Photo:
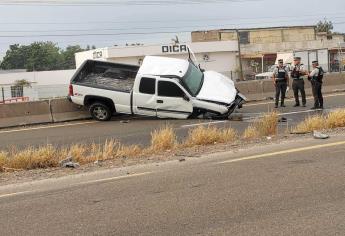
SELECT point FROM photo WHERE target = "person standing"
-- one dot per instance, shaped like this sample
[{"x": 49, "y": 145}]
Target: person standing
[
  {"x": 281, "y": 82},
  {"x": 315, "y": 77},
  {"x": 297, "y": 75}
]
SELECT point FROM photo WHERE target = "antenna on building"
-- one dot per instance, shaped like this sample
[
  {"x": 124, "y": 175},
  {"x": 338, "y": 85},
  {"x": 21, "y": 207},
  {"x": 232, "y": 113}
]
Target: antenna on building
[{"x": 176, "y": 40}]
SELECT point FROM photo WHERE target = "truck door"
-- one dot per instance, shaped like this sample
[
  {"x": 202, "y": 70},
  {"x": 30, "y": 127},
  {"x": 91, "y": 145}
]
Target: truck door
[
  {"x": 172, "y": 101},
  {"x": 145, "y": 100}
]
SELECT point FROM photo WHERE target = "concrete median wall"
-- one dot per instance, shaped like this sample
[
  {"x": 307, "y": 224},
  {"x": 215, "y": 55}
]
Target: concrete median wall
[
  {"x": 63, "y": 110},
  {"x": 25, "y": 113},
  {"x": 265, "y": 86}
]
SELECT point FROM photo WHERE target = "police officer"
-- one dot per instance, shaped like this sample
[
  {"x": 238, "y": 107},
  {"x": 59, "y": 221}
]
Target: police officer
[
  {"x": 281, "y": 82},
  {"x": 297, "y": 74},
  {"x": 315, "y": 77}
]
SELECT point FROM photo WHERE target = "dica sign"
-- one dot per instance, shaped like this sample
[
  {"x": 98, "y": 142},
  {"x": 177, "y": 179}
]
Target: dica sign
[
  {"x": 97, "y": 54},
  {"x": 174, "y": 48}
]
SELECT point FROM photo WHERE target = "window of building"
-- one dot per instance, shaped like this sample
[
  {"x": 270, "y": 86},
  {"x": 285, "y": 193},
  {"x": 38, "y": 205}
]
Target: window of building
[
  {"x": 169, "y": 89},
  {"x": 244, "y": 37},
  {"x": 147, "y": 85},
  {"x": 17, "y": 91}
]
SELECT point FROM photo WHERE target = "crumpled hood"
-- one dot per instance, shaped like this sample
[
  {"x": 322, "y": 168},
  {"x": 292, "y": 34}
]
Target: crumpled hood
[{"x": 217, "y": 88}]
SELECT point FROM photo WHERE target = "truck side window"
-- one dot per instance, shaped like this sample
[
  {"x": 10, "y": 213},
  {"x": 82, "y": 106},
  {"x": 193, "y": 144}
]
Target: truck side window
[
  {"x": 147, "y": 85},
  {"x": 169, "y": 89}
]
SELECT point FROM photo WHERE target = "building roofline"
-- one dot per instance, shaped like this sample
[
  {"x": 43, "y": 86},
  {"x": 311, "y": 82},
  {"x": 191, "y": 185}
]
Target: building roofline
[{"x": 260, "y": 28}]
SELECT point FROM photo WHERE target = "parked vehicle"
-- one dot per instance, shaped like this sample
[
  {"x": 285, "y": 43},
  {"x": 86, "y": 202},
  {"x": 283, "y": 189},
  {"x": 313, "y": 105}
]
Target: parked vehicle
[{"x": 162, "y": 87}]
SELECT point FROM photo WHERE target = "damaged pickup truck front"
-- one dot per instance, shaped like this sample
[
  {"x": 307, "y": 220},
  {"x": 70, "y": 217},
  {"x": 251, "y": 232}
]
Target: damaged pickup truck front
[{"x": 161, "y": 87}]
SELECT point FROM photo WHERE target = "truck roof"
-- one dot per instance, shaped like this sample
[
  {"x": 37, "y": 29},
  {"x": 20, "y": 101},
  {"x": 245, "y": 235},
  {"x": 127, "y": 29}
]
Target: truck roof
[{"x": 153, "y": 65}]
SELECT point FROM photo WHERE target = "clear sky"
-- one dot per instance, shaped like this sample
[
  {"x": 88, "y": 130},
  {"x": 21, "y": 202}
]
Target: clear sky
[{"x": 106, "y": 23}]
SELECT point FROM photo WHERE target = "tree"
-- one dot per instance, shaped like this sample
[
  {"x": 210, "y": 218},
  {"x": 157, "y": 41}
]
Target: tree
[
  {"x": 324, "y": 26},
  {"x": 43, "y": 56},
  {"x": 69, "y": 58},
  {"x": 15, "y": 58},
  {"x": 40, "y": 56}
]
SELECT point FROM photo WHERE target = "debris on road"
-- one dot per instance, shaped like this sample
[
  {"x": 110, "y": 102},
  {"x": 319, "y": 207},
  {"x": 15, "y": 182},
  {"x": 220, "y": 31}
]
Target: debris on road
[
  {"x": 124, "y": 121},
  {"x": 182, "y": 160},
  {"x": 319, "y": 135},
  {"x": 269, "y": 98}
]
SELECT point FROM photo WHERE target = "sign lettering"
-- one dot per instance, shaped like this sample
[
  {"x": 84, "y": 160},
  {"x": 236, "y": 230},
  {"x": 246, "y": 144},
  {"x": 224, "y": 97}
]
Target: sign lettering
[{"x": 174, "y": 48}]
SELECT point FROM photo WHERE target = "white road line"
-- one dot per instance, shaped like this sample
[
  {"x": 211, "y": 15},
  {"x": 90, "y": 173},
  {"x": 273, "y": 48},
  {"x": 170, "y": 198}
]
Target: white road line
[
  {"x": 206, "y": 123},
  {"x": 14, "y": 194},
  {"x": 47, "y": 127},
  {"x": 291, "y": 99},
  {"x": 275, "y": 154},
  {"x": 82, "y": 183},
  {"x": 113, "y": 178}
]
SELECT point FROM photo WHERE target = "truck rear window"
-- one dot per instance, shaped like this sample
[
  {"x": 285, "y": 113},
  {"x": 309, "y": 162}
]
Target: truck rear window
[{"x": 147, "y": 85}]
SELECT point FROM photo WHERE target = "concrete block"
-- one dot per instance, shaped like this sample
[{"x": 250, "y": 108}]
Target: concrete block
[
  {"x": 25, "y": 113},
  {"x": 63, "y": 110}
]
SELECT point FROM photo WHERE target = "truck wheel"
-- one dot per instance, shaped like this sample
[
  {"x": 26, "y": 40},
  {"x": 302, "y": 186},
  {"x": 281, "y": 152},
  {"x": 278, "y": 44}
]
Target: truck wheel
[{"x": 100, "y": 112}]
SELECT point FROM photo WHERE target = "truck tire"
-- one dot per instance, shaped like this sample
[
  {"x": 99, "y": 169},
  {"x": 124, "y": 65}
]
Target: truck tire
[{"x": 100, "y": 111}]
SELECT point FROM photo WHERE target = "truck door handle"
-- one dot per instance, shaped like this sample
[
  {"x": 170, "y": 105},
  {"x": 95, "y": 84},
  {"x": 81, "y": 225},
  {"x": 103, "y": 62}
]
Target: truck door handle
[{"x": 160, "y": 101}]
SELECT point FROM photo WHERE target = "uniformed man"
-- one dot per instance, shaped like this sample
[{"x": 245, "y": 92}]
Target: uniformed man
[
  {"x": 281, "y": 82},
  {"x": 315, "y": 77},
  {"x": 297, "y": 75}
]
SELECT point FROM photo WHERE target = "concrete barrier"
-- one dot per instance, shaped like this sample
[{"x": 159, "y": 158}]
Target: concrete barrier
[
  {"x": 25, "y": 113},
  {"x": 63, "y": 110}
]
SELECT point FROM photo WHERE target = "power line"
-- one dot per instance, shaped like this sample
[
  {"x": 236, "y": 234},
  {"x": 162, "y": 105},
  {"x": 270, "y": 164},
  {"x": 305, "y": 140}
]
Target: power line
[{"x": 334, "y": 15}]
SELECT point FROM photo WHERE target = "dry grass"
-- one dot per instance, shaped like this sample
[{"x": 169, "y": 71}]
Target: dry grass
[
  {"x": 250, "y": 132},
  {"x": 163, "y": 139},
  {"x": 335, "y": 119},
  {"x": 265, "y": 126},
  {"x": 310, "y": 124},
  {"x": 203, "y": 135}
]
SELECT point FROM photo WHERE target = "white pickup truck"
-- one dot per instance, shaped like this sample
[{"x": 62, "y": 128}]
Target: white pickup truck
[{"x": 161, "y": 87}]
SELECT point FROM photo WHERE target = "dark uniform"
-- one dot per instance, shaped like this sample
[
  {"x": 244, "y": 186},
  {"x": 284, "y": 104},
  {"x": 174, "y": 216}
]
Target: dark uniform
[
  {"x": 315, "y": 78},
  {"x": 297, "y": 74},
  {"x": 281, "y": 82}
]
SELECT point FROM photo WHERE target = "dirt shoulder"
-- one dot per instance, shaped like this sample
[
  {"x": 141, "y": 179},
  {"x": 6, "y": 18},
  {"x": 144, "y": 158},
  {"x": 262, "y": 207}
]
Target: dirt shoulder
[{"x": 174, "y": 155}]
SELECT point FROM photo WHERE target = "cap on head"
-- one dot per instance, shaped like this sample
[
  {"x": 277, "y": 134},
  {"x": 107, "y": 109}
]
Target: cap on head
[
  {"x": 297, "y": 58},
  {"x": 315, "y": 62},
  {"x": 280, "y": 61}
]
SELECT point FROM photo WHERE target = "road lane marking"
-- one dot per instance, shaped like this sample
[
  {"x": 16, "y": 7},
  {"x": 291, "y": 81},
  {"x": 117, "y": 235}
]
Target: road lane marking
[
  {"x": 81, "y": 183},
  {"x": 205, "y": 123},
  {"x": 14, "y": 194},
  {"x": 113, "y": 178},
  {"x": 272, "y": 154},
  {"x": 290, "y": 99},
  {"x": 47, "y": 127},
  {"x": 280, "y": 114}
]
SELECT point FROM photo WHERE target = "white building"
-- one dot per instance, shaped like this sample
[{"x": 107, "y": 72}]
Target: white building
[
  {"x": 217, "y": 56},
  {"x": 44, "y": 84}
]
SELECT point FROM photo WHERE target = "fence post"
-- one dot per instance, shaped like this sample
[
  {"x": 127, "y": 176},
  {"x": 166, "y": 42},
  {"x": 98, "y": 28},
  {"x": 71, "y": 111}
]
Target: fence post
[{"x": 3, "y": 94}]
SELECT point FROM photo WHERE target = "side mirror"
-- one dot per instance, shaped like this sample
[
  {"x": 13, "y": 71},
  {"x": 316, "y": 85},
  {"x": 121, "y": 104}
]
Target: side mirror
[{"x": 186, "y": 98}]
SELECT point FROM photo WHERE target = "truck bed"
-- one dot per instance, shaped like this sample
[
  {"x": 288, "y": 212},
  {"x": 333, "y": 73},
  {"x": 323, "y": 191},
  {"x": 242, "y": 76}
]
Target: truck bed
[{"x": 106, "y": 75}]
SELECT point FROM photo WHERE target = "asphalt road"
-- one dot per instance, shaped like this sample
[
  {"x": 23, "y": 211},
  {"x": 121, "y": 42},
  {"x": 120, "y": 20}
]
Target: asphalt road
[
  {"x": 137, "y": 130},
  {"x": 292, "y": 188}
]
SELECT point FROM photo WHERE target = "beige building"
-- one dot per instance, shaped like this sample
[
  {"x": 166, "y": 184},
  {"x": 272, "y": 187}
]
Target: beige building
[{"x": 259, "y": 46}]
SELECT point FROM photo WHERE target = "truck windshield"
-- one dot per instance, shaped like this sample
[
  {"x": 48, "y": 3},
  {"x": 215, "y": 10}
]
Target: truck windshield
[{"x": 193, "y": 80}]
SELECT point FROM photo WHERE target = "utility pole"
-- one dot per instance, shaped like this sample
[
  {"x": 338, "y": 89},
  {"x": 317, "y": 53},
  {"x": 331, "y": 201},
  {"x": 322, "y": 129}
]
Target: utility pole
[{"x": 239, "y": 54}]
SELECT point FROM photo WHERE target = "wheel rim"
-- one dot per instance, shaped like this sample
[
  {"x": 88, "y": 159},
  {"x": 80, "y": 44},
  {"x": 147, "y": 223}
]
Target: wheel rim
[{"x": 100, "y": 113}]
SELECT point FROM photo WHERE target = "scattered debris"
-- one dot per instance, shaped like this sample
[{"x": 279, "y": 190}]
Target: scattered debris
[
  {"x": 282, "y": 120},
  {"x": 71, "y": 165},
  {"x": 319, "y": 135},
  {"x": 236, "y": 117},
  {"x": 68, "y": 163},
  {"x": 67, "y": 160},
  {"x": 269, "y": 98},
  {"x": 268, "y": 138},
  {"x": 98, "y": 162},
  {"x": 182, "y": 160},
  {"x": 124, "y": 121}
]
